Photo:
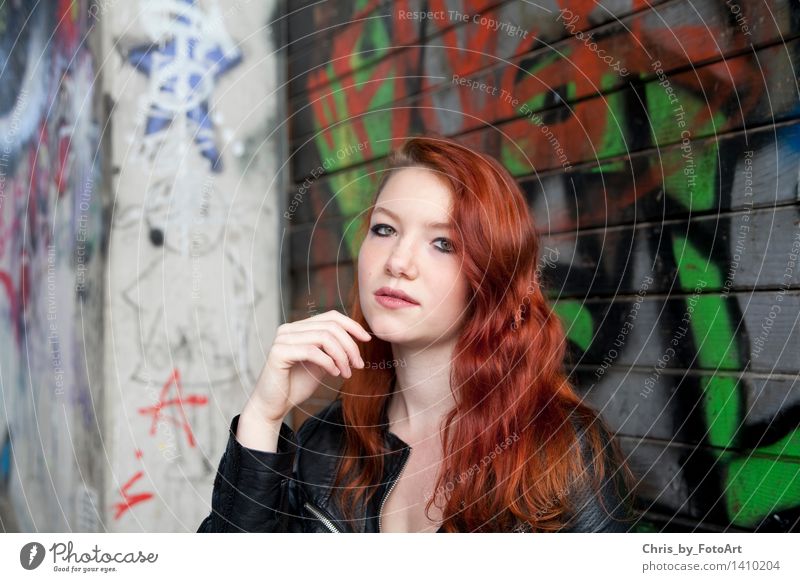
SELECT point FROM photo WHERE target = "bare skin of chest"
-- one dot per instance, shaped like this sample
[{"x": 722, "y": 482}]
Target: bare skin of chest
[{"x": 404, "y": 509}]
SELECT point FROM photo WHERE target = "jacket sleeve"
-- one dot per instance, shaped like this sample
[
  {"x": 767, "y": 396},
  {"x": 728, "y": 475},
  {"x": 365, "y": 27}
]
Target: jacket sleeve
[{"x": 255, "y": 491}]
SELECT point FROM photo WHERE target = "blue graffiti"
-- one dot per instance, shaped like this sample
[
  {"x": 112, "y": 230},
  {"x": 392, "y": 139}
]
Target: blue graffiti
[
  {"x": 5, "y": 459},
  {"x": 183, "y": 71}
]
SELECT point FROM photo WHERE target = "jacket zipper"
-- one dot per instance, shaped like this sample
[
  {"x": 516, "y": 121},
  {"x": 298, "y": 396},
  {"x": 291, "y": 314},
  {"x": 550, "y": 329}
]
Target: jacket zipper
[
  {"x": 328, "y": 523},
  {"x": 385, "y": 497}
]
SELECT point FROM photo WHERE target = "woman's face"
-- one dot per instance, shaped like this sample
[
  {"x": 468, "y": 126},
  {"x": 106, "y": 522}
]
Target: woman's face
[{"x": 406, "y": 250}]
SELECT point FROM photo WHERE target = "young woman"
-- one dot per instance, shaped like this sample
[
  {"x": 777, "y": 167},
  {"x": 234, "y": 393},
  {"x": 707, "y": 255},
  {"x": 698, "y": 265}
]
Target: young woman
[{"x": 455, "y": 414}]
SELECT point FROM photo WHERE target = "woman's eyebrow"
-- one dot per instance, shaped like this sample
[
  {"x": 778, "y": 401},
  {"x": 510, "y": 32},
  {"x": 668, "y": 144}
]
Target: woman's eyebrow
[{"x": 393, "y": 215}]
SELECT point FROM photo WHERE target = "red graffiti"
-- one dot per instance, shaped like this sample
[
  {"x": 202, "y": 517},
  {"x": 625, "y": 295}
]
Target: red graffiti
[
  {"x": 8, "y": 285},
  {"x": 61, "y": 177},
  {"x": 180, "y": 401},
  {"x": 68, "y": 27},
  {"x": 129, "y": 501}
]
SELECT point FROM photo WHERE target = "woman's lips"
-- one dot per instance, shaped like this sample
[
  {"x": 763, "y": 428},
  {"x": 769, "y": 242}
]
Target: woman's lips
[{"x": 393, "y": 302}]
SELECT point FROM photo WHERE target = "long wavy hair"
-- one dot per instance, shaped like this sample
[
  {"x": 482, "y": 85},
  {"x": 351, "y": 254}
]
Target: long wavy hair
[{"x": 507, "y": 377}]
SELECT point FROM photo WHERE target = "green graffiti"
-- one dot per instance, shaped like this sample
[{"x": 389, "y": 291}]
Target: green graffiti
[
  {"x": 613, "y": 137},
  {"x": 690, "y": 172},
  {"x": 616, "y": 166},
  {"x": 334, "y": 137},
  {"x": 714, "y": 339},
  {"x": 758, "y": 486},
  {"x": 754, "y": 486},
  {"x": 345, "y": 149},
  {"x": 577, "y": 321},
  {"x": 372, "y": 44},
  {"x": 538, "y": 100},
  {"x": 645, "y": 527},
  {"x": 353, "y": 190}
]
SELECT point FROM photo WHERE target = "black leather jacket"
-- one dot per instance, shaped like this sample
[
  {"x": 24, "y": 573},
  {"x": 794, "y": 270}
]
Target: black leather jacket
[{"x": 290, "y": 490}]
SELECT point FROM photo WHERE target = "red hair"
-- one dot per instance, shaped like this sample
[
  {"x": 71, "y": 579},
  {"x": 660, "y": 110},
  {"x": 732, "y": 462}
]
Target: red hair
[{"x": 506, "y": 373}]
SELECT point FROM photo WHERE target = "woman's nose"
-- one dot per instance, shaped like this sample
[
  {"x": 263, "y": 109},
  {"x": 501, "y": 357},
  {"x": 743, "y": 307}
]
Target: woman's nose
[{"x": 401, "y": 261}]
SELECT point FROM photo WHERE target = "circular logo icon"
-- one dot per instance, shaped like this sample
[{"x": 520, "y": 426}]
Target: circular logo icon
[{"x": 31, "y": 555}]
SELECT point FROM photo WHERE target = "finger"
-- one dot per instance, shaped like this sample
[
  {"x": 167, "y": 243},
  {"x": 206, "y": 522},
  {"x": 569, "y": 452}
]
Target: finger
[
  {"x": 325, "y": 339},
  {"x": 346, "y": 340},
  {"x": 351, "y": 325},
  {"x": 295, "y": 353}
]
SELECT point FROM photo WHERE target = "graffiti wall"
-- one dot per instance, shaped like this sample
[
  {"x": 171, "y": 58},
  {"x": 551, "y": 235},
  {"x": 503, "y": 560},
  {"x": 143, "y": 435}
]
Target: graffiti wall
[
  {"x": 194, "y": 96},
  {"x": 50, "y": 258},
  {"x": 658, "y": 145}
]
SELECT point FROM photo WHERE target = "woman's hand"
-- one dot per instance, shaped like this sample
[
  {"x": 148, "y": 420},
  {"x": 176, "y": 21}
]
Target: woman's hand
[{"x": 303, "y": 351}]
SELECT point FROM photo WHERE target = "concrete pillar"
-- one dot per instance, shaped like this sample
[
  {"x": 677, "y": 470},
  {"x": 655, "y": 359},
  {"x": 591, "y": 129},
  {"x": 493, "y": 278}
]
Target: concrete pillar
[{"x": 192, "y": 280}]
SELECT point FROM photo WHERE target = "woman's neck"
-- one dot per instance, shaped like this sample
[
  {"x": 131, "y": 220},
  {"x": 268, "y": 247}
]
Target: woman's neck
[{"x": 422, "y": 395}]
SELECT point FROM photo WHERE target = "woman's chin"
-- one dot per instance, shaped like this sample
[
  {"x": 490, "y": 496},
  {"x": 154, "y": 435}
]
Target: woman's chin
[
  {"x": 395, "y": 329},
  {"x": 390, "y": 332}
]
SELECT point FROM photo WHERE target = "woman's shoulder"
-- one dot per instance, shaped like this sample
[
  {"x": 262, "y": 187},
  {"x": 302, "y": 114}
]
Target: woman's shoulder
[{"x": 605, "y": 504}]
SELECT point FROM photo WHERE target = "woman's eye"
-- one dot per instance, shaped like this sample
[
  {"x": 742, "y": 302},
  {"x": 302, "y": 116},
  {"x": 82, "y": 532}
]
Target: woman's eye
[
  {"x": 448, "y": 245},
  {"x": 378, "y": 227}
]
